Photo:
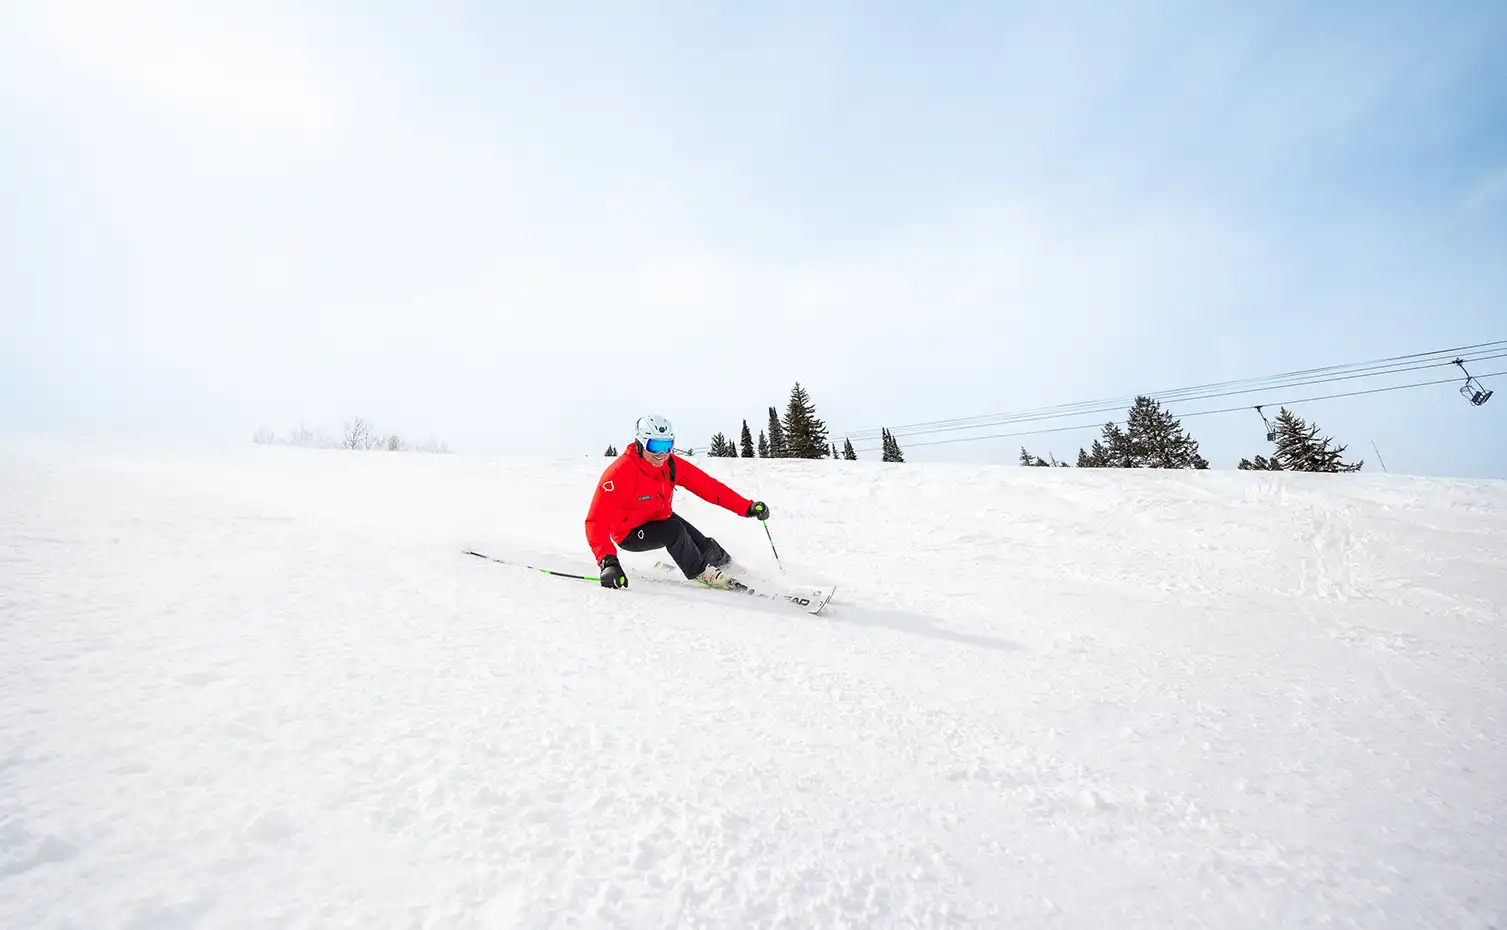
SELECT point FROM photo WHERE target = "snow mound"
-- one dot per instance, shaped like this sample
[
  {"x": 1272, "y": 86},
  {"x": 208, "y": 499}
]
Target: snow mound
[{"x": 266, "y": 688}]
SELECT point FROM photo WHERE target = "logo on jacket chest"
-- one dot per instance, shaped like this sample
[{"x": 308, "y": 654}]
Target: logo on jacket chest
[{"x": 646, "y": 497}]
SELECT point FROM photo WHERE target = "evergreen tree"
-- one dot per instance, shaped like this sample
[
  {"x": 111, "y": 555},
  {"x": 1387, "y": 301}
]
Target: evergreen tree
[
  {"x": 805, "y": 434},
  {"x": 834, "y": 451},
  {"x": 1262, "y": 463},
  {"x": 1152, "y": 438},
  {"x": 1096, "y": 457},
  {"x": 763, "y": 446},
  {"x": 776, "y": 436},
  {"x": 892, "y": 451},
  {"x": 723, "y": 448},
  {"x": 1156, "y": 439},
  {"x": 611, "y": 452},
  {"x": 1115, "y": 452},
  {"x": 1300, "y": 448},
  {"x": 847, "y": 451},
  {"x": 747, "y": 440}
]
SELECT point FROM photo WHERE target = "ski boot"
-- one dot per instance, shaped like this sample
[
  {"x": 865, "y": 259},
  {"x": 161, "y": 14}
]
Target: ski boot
[{"x": 714, "y": 577}]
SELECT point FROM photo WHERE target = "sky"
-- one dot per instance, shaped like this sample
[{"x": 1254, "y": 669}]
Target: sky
[{"x": 517, "y": 227}]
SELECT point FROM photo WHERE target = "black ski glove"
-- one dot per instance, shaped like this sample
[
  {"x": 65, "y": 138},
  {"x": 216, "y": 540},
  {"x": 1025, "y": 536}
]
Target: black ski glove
[
  {"x": 612, "y": 573},
  {"x": 758, "y": 509}
]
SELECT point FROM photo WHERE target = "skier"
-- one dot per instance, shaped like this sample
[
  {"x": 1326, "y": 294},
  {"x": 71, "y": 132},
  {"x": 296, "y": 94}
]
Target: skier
[{"x": 631, "y": 507}]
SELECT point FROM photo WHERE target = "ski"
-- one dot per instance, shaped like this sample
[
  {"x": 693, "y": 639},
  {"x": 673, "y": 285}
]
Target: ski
[{"x": 811, "y": 598}]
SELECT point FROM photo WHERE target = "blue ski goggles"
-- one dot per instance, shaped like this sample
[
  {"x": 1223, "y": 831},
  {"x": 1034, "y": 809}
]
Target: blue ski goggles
[{"x": 658, "y": 446}]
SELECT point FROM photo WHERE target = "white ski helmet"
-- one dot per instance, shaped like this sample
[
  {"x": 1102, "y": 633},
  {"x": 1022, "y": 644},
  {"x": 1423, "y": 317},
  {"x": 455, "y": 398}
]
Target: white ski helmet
[{"x": 654, "y": 434}]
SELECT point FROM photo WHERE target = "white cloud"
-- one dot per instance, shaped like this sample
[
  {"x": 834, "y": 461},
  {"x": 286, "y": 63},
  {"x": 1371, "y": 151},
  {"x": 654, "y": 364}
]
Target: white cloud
[{"x": 206, "y": 67}]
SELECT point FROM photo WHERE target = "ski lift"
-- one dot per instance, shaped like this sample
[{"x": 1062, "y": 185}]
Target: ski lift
[
  {"x": 1471, "y": 390},
  {"x": 1271, "y": 431}
]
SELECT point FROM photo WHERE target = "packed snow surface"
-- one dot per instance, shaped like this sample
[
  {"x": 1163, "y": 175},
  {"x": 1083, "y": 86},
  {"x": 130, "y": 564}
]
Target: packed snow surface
[{"x": 266, "y": 688}]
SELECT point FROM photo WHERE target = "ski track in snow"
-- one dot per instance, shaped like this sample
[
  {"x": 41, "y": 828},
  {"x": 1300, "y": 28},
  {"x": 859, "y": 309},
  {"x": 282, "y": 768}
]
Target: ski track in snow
[{"x": 264, "y": 688}]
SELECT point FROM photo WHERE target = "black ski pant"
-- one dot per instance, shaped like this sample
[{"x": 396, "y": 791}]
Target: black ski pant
[{"x": 691, "y": 550}]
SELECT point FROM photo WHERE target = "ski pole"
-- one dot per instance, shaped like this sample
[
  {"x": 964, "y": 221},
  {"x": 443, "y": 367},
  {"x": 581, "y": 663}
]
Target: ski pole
[
  {"x": 771, "y": 546},
  {"x": 547, "y": 571}
]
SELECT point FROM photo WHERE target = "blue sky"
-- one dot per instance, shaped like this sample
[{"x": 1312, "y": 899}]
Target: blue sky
[{"x": 517, "y": 227}]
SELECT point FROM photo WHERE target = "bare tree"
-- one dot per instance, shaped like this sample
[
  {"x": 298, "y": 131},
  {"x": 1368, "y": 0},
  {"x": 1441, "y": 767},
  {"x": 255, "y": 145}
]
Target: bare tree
[
  {"x": 358, "y": 434},
  {"x": 264, "y": 437}
]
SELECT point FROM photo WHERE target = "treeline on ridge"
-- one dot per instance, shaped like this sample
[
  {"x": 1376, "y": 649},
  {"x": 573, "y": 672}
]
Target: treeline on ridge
[{"x": 1151, "y": 437}]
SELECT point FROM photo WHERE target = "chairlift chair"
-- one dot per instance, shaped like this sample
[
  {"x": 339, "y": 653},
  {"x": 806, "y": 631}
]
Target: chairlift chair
[
  {"x": 1271, "y": 431},
  {"x": 1472, "y": 390},
  {"x": 1475, "y": 394}
]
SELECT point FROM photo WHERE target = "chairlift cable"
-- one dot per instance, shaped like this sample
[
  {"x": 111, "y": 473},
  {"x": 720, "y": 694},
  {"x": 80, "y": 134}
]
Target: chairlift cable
[
  {"x": 1397, "y": 364},
  {"x": 1030, "y": 416},
  {"x": 1196, "y": 413}
]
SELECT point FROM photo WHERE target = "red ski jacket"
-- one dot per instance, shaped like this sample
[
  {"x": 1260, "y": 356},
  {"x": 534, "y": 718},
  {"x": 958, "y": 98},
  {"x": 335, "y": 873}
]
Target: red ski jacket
[{"x": 632, "y": 492}]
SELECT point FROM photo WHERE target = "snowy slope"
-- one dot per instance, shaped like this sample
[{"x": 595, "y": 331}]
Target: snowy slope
[{"x": 263, "y": 688}]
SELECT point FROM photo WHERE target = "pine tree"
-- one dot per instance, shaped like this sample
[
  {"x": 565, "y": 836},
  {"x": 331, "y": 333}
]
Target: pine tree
[
  {"x": 747, "y": 440},
  {"x": 847, "y": 451},
  {"x": 763, "y": 446},
  {"x": 1116, "y": 452},
  {"x": 805, "y": 434},
  {"x": 1299, "y": 447},
  {"x": 1262, "y": 463},
  {"x": 834, "y": 451},
  {"x": 1152, "y": 438},
  {"x": 777, "y": 448},
  {"x": 1096, "y": 457},
  {"x": 891, "y": 448},
  {"x": 723, "y": 448},
  {"x": 611, "y": 452},
  {"x": 1156, "y": 439}
]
